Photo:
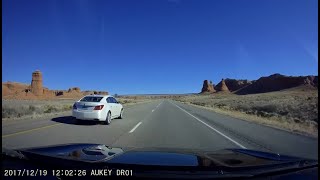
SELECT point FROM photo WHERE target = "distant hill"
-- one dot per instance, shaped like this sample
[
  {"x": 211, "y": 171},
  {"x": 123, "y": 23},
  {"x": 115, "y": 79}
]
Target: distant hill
[
  {"x": 274, "y": 82},
  {"x": 277, "y": 82}
]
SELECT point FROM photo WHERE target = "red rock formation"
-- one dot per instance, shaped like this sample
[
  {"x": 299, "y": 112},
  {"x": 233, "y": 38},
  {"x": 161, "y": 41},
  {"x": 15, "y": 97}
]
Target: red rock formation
[
  {"x": 5, "y": 90},
  {"x": 222, "y": 86},
  {"x": 59, "y": 93},
  {"x": 74, "y": 89},
  {"x": 11, "y": 90},
  {"x": 207, "y": 87},
  {"x": 47, "y": 92},
  {"x": 278, "y": 82},
  {"x": 36, "y": 83},
  {"x": 234, "y": 84},
  {"x": 14, "y": 86}
]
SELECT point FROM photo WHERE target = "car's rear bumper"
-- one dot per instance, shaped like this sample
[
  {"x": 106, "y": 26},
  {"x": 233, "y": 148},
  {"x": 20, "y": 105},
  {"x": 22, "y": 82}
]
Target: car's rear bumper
[{"x": 91, "y": 115}]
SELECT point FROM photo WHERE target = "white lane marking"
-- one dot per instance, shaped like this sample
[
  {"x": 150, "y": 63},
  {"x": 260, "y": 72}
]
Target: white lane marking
[
  {"x": 159, "y": 104},
  {"x": 135, "y": 127},
  {"x": 156, "y": 107},
  {"x": 235, "y": 142}
]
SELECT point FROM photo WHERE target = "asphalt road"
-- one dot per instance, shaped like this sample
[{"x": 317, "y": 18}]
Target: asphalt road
[{"x": 160, "y": 123}]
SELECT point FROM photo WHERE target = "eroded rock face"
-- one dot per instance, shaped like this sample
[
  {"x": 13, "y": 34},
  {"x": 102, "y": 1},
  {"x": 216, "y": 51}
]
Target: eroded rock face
[
  {"x": 207, "y": 87},
  {"x": 13, "y": 88},
  {"x": 59, "y": 93},
  {"x": 5, "y": 90},
  {"x": 234, "y": 84},
  {"x": 277, "y": 82},
  {"x": 36, "y": 83},
  {"x": 74, "y": 89},
  {"x": 47, "y": 92},
  {"x": 221, "y": 86}
]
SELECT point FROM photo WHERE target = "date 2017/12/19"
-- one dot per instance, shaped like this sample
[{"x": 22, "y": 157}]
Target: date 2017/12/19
[{"x": 74, "y": 172}]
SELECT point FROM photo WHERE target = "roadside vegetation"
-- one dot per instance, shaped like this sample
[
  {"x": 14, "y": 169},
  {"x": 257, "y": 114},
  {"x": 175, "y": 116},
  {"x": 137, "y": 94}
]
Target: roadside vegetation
[
  {"x": 12, "y": 109},
  {"x": 294, "y": 110},
  {"x": 132, "y": 100},
  {"x": 19, "y": 109}
]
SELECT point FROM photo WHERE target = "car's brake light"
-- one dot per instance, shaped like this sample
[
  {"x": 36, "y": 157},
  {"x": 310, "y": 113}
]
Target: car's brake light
[
  {"x": 74, "y": 106},
  {"x": 98, "y": 107}
]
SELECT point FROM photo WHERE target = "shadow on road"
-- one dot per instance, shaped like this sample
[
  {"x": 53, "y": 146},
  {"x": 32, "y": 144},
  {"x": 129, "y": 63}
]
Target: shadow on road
[{"x": 71, "y": 120}]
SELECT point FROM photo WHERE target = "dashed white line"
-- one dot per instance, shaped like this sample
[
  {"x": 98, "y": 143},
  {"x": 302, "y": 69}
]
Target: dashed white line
[
  {"x": 135, "y": 127},
  {"x": 235, "y": 142},
  {"x": 159, "y": 104},
  {"x": 156, "y": 107}
]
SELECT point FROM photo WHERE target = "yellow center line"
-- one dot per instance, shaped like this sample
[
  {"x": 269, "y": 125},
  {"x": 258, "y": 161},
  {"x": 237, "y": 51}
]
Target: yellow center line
[{"x": 30, "y": 130}]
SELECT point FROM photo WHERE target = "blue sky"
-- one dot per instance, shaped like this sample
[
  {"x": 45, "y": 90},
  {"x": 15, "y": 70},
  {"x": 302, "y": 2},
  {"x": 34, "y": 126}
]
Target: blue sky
[{"x": 156, "y": 46}]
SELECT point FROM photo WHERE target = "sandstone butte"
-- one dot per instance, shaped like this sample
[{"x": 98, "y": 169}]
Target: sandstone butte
[
  {"x": 207, "y": 87},
  {"x": 15, "y": 90}
]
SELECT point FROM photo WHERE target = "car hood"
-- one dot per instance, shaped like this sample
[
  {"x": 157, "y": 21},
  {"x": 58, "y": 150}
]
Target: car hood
[{"x": 102, "y": 154}]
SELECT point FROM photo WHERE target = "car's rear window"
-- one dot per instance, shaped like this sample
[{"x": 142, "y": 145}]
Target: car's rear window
[{"x": 91, "y": 99}]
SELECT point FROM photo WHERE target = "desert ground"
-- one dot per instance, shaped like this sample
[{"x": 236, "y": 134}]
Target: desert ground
[{"x": 294, "y": 109}]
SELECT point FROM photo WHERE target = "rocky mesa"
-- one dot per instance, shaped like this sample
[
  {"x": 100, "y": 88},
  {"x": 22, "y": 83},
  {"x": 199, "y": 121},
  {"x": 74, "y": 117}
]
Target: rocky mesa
[
  {"x": 274, "y": 82},
  {"x": 277, "y": 82},
  {"x": 36, "y": 90},
  {"x": 234, "y": 84}
]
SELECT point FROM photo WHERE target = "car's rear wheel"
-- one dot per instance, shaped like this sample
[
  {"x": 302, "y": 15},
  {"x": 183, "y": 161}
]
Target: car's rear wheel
[
  {"x": 108, "y": 118},
  {"x": 121, "y": 114}
]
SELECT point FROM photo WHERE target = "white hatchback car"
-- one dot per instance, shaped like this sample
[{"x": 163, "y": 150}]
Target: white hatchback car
[{"x": 97, "y": 108}]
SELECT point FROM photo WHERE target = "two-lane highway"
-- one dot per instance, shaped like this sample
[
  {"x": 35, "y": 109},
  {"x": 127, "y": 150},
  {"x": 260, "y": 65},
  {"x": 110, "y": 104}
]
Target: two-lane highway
[{"x": 160, "y": 123}]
